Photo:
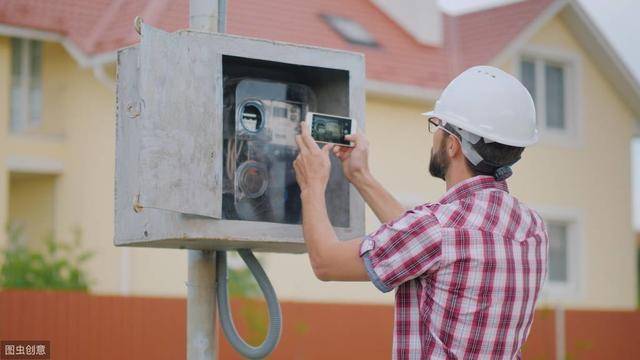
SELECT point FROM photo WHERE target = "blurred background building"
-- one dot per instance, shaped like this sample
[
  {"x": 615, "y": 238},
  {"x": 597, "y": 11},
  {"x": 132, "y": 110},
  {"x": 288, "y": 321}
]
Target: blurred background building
[{"x": 57, "y": 133}]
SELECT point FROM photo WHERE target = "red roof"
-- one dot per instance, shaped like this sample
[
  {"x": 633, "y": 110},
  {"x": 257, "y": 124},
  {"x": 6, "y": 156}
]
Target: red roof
[{"x": 102, "y": 26}]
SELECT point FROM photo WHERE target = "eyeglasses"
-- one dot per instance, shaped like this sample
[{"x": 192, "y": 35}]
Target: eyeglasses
[{"x": 435, "y": 124}]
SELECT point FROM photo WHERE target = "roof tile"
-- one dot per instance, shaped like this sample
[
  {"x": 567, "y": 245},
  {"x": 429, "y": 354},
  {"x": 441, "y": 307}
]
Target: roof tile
[{"x": 100, "y": 26}]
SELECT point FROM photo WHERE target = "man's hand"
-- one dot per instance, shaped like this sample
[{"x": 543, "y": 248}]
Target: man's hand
[
  {"x": 312, "y": 166},
  {"x": 355, "y": 160}
]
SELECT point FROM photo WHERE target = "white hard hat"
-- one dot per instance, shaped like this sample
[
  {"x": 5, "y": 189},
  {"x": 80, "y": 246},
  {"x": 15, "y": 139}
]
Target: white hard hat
[{"x": 491, "y": 104}]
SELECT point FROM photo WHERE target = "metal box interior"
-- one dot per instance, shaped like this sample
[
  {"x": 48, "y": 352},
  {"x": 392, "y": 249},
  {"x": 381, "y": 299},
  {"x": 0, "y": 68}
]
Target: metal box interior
[{"x": 180, "y": 98}]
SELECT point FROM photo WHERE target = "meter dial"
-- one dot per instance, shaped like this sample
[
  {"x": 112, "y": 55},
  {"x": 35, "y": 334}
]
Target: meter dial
[{"x": 252, "y": 178}]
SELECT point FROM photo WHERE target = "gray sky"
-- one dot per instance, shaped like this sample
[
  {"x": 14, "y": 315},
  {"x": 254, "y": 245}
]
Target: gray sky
[{"x": 619, "y": 21}]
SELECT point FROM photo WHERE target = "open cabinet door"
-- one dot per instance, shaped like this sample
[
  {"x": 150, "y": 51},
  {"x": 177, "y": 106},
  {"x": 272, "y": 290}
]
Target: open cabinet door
[{"x": 180, "y": 164}]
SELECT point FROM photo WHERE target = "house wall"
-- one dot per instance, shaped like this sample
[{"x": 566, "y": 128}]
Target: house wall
[
  {"x": 76, "y": 144},
  {"x": 592, "y": 179},
  {"x": 31, "y": 204},
  {"x": 4, "y": 126}
]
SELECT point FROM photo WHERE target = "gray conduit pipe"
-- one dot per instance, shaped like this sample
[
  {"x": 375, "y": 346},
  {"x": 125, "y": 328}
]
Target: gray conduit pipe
[{"x": 226, "y": 320}]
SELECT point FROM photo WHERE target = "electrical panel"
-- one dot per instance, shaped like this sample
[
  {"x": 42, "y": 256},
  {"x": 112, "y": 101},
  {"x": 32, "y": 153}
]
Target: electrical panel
[{"x": 206, "y": 127}]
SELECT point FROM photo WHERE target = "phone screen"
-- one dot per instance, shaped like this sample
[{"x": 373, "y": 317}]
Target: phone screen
[{"x": 330, "y": 129}]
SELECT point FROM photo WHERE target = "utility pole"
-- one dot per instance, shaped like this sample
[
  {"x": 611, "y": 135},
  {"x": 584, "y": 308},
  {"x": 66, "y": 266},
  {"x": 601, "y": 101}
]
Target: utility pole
[
  {"x": 202, "y": 344},
  {"x": 181, "y": 78}
]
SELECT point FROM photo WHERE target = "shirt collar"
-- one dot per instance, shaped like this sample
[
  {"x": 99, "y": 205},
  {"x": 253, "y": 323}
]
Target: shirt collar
[{"x": 469, "y": 186}]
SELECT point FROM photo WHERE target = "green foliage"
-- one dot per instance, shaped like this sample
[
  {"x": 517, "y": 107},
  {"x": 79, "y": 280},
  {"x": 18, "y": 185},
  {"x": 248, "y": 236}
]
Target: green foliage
[
  {"x": 243, "y": 285},
  {"x": 241, "y": 282},
  {"x": 51, "y": 265},
  {"x": 255, "y": 316}
]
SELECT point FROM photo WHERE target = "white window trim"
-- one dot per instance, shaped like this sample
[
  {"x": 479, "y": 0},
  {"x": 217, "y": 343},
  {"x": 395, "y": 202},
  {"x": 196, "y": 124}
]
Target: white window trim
[
  {"x": 571, "y": 62},
  {"x": 26, "y": 119},
  {"x": 573, "y": 289},
  {"x": 34, "y": 165},
  {"x": 362, "y": 35}
]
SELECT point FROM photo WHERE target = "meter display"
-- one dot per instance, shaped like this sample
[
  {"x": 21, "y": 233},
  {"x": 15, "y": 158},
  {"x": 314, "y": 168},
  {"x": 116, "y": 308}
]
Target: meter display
[
  {"x": 261, "y": 120},
  {"x": 330, "y": 129}
]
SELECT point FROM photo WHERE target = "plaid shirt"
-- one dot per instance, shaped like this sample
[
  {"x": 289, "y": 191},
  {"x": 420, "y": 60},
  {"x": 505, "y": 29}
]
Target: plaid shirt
[{"x": 467, "y": 272}]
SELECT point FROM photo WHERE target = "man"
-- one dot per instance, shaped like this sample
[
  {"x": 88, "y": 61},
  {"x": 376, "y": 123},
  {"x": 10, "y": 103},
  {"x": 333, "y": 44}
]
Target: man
[{"x": 468, "y": 268}]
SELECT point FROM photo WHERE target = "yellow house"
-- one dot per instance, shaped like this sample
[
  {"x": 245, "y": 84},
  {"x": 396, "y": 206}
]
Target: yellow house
[{"x": 57, "y": 134}]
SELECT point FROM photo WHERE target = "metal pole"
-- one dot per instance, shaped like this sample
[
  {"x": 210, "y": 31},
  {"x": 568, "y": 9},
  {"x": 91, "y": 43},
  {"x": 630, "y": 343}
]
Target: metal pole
[
  {"x": 201, "y": 306},
  {"x": 560, "y": 330},
  {"x": 208, "y": 15},
  {"x": 202, "y": 344}
]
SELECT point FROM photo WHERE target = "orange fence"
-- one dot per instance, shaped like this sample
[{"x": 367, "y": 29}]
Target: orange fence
[{"x": 82, "y": 326}]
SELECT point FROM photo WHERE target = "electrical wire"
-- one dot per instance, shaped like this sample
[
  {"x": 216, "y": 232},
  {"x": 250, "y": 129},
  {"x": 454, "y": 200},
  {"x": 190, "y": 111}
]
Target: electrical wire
[{"x": 226, "y": 320}]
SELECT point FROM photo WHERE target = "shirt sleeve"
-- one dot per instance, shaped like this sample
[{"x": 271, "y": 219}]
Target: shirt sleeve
[{"x": 402, "y": 249}]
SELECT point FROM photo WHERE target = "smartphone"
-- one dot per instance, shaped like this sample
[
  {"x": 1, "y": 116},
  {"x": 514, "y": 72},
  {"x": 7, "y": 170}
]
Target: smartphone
[{"x": 325, "y": 128}]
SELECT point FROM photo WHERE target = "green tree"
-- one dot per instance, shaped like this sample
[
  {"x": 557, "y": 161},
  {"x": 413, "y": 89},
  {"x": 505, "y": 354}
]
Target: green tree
[
  {"x": 242, "y": 284},
  {"x": 50, "y": 264},
  {"x": 253, "y": 313}
]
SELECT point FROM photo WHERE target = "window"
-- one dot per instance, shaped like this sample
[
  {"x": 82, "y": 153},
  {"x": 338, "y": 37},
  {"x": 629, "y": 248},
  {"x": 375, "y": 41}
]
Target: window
[
  {"x": 555, "y": 115},
  {"x": 551, "y": 78},
  {"x": 564, "y": 227},
  {"x": 350, "y": 30},
  {"x": 558, "y": 256},
  {"x": 26, "y": 84},
  {"x": 551, "y": 86}
]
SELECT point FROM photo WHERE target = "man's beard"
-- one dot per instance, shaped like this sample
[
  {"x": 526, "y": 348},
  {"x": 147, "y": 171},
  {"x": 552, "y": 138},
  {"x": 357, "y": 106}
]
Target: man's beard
[{"x": 439, "y": 162}]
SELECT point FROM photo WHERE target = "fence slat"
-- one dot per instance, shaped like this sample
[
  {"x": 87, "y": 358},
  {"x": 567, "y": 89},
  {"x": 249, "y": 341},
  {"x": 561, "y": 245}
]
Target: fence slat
[{"x": 82, "y": 326}]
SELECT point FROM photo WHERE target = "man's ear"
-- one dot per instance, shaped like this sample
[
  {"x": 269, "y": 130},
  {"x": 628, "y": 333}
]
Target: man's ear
[{"x": 453, "y": 146}]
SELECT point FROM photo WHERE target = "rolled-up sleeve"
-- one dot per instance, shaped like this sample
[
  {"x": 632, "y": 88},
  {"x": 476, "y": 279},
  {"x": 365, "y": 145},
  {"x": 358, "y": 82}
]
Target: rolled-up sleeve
[{"x": 402, "y": 250}]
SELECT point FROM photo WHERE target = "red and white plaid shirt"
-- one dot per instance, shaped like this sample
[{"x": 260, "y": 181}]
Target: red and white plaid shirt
[{"x": 468, "y": 271}]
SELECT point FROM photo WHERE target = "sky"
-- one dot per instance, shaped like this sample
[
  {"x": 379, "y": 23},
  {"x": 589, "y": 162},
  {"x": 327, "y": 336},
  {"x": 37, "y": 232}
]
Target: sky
[{"x": 618, "y": 20}]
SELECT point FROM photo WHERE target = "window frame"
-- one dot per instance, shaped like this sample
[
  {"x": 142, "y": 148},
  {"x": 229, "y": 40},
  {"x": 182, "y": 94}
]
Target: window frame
[
  {"x": 573, "y": 288},
  {"x": 570, "y": 62},
  {"x": 334, "y": 22},
  {"x": 26, "y": 121}
]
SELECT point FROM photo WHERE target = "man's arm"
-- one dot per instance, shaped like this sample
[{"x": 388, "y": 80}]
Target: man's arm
[
  {"x": 331, "y": 259},
  {"x": 355, "y": 165}
]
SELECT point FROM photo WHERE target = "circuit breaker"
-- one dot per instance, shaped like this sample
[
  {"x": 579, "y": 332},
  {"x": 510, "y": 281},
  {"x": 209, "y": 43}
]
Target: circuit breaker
[{"x": 205, "y": 141}]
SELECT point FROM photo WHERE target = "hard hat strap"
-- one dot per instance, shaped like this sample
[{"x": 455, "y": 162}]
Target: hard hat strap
[
  {"x": 470, "y": 137},
  {"x": 467, "y": 140},
  {"x": 469, "y": 152}
]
